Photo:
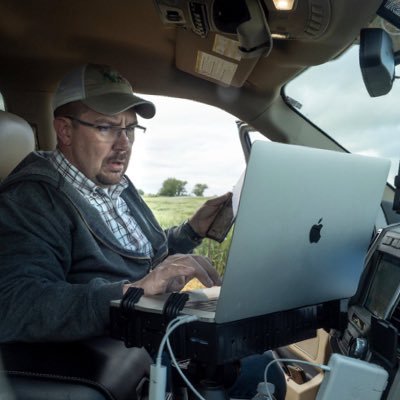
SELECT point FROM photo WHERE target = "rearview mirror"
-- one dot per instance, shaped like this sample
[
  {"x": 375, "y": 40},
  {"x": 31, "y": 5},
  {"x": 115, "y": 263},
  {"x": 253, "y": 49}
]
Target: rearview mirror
[{"x": 377, "y": 61}]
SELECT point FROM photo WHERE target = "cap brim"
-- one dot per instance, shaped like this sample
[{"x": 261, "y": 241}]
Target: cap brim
[{"x": 115, "y": 103}]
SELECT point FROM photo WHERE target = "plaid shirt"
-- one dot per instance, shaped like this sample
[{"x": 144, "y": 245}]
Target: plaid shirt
[{"x": 108, "y": 203}]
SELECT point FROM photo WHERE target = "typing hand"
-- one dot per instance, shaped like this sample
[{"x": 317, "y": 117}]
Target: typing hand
[{"x": 174, "y": 272}]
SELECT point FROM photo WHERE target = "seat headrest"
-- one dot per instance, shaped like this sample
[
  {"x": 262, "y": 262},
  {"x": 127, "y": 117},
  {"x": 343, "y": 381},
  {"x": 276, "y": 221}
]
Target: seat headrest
[{"x": 16, "y": 141}]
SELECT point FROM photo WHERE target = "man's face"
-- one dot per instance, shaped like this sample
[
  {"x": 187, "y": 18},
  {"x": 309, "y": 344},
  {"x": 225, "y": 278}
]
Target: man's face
[{"x": 101, "y": 158}]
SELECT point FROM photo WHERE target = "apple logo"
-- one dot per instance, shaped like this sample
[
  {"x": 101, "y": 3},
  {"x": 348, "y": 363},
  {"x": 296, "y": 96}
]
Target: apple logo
[{"x": 315, "y": 232}]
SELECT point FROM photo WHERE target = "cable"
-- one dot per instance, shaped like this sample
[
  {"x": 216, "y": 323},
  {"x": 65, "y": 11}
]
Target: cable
[
  {"x": 158, "y": 371},
  {"x": 321, "y": 366},
  {"x": 170, "y": 328},
  {"x": 183, "y": 376}
]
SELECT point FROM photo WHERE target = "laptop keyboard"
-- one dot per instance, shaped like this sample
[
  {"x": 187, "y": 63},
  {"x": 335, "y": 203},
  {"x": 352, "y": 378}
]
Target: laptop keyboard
[{"x": 204, "y": 305}]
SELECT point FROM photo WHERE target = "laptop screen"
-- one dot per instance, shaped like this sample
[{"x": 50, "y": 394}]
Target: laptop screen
[{"x": 302, "y": 230}]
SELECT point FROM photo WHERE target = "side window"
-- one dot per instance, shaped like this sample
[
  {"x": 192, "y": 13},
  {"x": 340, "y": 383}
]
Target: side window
[
  {"x": 195, "y": 151},
  {"x": 2, "y": 107}
]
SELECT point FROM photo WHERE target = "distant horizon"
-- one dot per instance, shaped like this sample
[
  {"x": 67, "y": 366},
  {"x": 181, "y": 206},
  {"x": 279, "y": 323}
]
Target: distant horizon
[{"x": 185, "y": 195}]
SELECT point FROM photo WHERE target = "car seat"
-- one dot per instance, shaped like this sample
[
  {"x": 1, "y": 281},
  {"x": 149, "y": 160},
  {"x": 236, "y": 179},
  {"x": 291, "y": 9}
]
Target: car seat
[
  {"x": 16, "y": 141},
  {"x": 94, "y": 369}
]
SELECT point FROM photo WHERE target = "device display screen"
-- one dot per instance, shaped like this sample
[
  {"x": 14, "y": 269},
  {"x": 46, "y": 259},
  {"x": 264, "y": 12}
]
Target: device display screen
[{"x": 384, "y": 288}]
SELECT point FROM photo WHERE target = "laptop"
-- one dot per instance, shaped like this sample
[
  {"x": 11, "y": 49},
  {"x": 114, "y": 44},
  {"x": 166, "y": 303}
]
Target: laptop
[{"x": 303, "y": 226}]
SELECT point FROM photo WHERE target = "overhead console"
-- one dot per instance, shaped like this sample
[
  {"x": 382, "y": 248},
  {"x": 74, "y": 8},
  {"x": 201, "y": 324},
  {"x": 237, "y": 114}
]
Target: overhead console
[
  {"x": 305, "y": 19},
  {"x": 222, "y": 40},
  {"x": 374, "y": 312}
]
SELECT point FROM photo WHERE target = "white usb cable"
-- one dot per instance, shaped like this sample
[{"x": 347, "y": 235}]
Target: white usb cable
[{"x": 158, "y": 372}]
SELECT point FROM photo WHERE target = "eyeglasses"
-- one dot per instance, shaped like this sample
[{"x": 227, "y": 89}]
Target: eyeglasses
[{"x": 109, "y": 133}]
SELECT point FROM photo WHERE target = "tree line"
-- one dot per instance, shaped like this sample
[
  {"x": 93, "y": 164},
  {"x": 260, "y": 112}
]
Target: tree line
[{"x": 173, "y": 187}]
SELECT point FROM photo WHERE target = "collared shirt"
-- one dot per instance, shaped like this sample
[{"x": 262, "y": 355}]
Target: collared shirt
[{"x": 108, "y": 203}]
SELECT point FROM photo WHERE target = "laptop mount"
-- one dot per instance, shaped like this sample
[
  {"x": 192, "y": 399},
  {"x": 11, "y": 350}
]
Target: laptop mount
[
  {"x": 174, "y": 305},
  {"x": 219, "y": 343},
  {"x": 127, "y": 315},
  {"x": 211, "y": 349}
]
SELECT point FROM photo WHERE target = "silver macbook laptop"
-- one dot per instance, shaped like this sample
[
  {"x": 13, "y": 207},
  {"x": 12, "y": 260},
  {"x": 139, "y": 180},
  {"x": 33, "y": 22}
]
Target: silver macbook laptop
[{"x": 303, "y": 226}]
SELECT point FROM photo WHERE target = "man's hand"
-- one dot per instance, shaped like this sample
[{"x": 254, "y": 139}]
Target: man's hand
[
  {"x": 174, "y": 272},
  {"x": 204, "y": 216}
]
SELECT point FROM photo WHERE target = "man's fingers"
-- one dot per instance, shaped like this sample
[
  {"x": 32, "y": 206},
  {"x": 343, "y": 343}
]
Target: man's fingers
[
  {"x": 188, "y": 267},
  {"x": 176, "y": 284},
  {"x": 204, "y": 270},
  {"x": 216, "y": 201},
  {"x": 204, "y": 216},
  {"x": 210, "y": 270},
  {"x": 176, "y": 269}
]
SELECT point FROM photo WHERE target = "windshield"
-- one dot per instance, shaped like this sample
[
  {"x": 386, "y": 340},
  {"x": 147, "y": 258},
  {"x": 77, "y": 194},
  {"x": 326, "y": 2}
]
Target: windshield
[{"x": 334, "y": 98}]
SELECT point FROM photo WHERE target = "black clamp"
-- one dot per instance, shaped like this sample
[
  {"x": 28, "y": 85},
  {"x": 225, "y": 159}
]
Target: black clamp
[
  {"x": 174, "y": 305},
  {"x": 127, "y": 310},
  {"x": 130, "y": 298}
]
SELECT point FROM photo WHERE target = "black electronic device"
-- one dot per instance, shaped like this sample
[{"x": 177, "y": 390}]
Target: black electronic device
[
  {"x": 390, "y": 10},
  {"x": 374, "y": 312},
  {"x": 222, "y": 222},
  {"x": 379, "y": 289}
]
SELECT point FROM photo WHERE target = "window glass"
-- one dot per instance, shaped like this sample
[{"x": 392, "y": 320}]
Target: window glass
[
  {"x": 193, "y": 143},
  {"x": 188, "y": 141},
  {"x": 2, "y": 107},
  {"x": 333, "y": 97}
]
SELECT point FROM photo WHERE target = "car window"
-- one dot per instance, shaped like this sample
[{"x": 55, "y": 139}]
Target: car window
[
  {"x": 2, "y": 107},
  {"x": 333, "y": 97},
  {"x": 195, "y": 144},
  {"x": 188, "y": 141}
]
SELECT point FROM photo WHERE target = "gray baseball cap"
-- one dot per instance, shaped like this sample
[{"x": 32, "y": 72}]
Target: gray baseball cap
[{"x": 102, "y": 89}]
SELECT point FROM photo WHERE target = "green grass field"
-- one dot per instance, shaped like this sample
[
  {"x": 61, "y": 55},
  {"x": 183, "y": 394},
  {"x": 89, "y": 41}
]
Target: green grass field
[{"x": 171, "y": 211}]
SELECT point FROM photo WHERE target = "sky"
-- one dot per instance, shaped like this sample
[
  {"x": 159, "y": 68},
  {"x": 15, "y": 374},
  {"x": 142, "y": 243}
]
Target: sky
[
  {"x": 335, "y": 98},
  {"x": 188, "y": 141}
]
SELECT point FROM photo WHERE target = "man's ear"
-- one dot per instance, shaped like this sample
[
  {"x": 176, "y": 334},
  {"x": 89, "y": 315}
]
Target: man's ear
[{"x": 63, "y": 130}]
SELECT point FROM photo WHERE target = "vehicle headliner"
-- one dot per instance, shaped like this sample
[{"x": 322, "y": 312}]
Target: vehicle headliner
[{"x": 40, "y": 41}]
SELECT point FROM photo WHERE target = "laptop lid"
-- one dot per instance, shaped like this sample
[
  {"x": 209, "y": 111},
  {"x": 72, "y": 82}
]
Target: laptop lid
[{"x": 304, "y": 223}]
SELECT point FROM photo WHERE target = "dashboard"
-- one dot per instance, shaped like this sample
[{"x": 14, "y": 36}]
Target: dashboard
[{"x": 373, "y": 320}]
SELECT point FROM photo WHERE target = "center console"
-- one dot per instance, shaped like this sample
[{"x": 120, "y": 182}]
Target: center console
[{"x": 374, "y": 312}]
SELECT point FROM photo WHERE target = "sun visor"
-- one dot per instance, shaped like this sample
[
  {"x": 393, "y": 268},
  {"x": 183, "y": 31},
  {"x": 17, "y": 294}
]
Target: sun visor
[
  {"x": 222, "y": 40},
  {"x": 216, "y": 58}
]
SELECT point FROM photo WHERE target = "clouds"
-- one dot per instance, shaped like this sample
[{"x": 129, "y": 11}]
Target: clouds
[
  {"x": 188, "y": 141},
  {"x": 334, "y": 98}
]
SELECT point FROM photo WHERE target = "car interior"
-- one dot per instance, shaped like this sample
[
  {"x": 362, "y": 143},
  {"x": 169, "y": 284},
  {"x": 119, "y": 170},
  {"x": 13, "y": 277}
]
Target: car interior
[{"x": 235, "y": 55}]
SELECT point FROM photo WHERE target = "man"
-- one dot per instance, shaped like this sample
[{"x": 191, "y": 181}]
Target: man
[{"x": 75, "y": 234}]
